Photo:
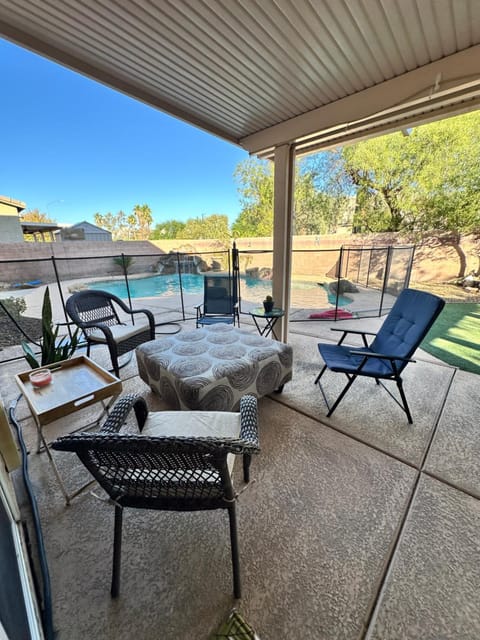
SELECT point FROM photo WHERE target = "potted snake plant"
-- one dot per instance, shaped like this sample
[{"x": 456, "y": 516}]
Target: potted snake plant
[{"x": 52, "y": 349}]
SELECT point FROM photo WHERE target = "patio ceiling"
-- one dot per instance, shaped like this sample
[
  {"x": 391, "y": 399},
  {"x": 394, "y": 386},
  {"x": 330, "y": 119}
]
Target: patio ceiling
[{"x": 262, "y": 73}]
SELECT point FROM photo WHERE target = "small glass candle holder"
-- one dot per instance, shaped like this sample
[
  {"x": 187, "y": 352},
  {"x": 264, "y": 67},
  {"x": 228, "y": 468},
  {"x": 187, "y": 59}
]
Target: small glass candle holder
[{"x": 40, "y": 377}]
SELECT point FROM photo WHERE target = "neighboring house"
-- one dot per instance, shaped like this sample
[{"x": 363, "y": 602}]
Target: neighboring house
[
  {"x": 13, "y": 229},
  {"x": 10, "y": 227},
  {"x": 84, "y": 231}
]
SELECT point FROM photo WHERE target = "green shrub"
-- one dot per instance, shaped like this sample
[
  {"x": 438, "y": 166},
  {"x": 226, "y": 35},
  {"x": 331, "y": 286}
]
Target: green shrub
[
  {"x": 124, "y": 260},
  {"x": 15, "y": 306}
]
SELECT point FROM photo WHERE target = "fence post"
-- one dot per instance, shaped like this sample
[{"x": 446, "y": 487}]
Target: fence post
[
  {"x": 180, "y": 283},
  {"x": 386, "y": 277},
  {"x": 125, "y": 275},
  {"x": 65, "y": 315},
  {"x": 408, "y": 274}
]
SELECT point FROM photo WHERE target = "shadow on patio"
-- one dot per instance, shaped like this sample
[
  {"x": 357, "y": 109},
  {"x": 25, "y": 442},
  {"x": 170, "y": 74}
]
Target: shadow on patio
[{"x": 358, "y": 526}]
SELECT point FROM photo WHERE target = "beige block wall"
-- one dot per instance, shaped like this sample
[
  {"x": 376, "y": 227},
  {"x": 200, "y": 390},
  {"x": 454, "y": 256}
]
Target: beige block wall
[
  {"x": 434, "y": 261},
  {"x": 25, "y": 261}
]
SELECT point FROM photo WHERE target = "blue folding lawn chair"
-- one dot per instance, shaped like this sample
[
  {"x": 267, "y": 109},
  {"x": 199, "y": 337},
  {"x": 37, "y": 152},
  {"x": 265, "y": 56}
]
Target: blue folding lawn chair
[{"x": 408, "y": 322}]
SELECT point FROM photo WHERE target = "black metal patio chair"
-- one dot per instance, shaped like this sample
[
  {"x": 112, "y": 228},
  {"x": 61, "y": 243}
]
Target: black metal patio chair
[
  {"x": 220, "y": 301},
  {"x": 180, "y": 461},
  {"x": 97, "y": 314},
  {"x": 408, "y": 322}
]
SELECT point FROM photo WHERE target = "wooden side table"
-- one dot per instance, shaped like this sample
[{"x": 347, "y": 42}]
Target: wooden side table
[
  {"x": 77, "y": 383},
  {"x": 270, "y": 317}
]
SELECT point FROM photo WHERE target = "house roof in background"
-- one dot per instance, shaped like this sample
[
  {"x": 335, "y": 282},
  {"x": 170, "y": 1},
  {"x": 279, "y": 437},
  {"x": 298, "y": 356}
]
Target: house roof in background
[
  {"x": 38, "y": 227},
  {"x": 261, "y": 73},
  {"x": 18, "y": 204}
]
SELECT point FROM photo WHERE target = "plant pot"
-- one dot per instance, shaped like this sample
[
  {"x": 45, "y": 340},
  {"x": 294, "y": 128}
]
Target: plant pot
[{"x": 268, "y": 306}]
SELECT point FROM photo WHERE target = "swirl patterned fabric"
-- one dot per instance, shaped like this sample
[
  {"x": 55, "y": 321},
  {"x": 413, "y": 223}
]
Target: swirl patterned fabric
[{"x": 213, "y": 367}]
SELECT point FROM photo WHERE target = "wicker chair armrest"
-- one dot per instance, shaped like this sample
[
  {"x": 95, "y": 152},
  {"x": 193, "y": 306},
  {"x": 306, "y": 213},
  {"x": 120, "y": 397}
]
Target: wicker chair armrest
[
  {"x": 148, "y": 313},
  {"x": 120, "y": 412},
  {"x": 249, "y": 420},
  {"x": 131, "y": 312},
  {"x": 83, "y": 442},
  {"x": 104, "y": 328}
]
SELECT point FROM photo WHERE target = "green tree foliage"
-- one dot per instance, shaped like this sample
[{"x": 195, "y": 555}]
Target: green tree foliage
[
  {"x": 317, "y": 204},
  {"x": 115, "y": 223},
  {"x": 135, "y": 226},
  {"x": 255, "y": 187},
  {"x": 214, "y": 226},
  {"x": 427, "y": 180},
  {"x": 35, "y": 215},
  {"x": 141, "y": 221},
  {"x": 167, "y": 230}
]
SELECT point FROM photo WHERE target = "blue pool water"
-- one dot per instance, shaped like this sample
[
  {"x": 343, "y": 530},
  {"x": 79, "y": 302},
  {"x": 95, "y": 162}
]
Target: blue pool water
[{"x": 168, "y": 285}]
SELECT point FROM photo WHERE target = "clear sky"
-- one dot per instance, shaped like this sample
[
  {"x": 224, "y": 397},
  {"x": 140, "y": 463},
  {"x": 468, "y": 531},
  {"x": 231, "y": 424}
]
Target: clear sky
[{"x": 71, "y": 147}]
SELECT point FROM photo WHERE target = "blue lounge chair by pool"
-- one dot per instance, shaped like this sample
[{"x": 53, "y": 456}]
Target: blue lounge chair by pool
[
  {"x": 220, "y": 301},
  {"x": 408, "y": 322},
  {"x": 27, "y": 285}
]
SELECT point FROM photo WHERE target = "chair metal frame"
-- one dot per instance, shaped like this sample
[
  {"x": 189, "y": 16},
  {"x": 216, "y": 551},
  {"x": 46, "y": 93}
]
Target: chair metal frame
[
  {"x": 93, "y": 310},
  {"x": 165, "y": 473},
  {"x": 219, "y": 309},
  {"x": 368, "y": 361}
]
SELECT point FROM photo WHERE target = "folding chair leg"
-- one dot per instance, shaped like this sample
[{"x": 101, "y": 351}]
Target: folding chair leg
[
  {"x": 237, "y": 591},
  {"x": 117, "y": 552},
  {"x": 320, "y": 374},
  {"x": 404, "y": 400},
  {"x": 351, "y": 380}
]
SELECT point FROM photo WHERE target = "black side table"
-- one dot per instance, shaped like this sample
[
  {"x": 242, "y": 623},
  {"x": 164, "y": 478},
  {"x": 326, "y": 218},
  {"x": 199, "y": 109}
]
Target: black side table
[{"x": 271, "y": 318}]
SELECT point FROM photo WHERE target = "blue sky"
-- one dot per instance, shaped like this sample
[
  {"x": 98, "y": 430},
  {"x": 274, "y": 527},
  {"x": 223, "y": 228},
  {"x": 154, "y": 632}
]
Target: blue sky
[{"x": 72, "y": 147}]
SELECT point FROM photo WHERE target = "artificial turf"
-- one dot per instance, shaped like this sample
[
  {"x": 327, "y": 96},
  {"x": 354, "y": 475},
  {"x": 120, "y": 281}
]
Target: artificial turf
[{"x": 455, "y": 336}]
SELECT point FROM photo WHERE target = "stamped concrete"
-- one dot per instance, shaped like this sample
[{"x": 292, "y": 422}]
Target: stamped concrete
[
  {"x": 455, "y": 452},
  {"x": 367, "y": 412},
  {"x": 432, "y": 590},
  {"x": 332, "y": 544}
]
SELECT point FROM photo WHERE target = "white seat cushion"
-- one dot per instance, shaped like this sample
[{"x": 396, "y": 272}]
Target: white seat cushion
[
  {"x": 120, "y": 332},
  {"x": 194, "y": 424}
]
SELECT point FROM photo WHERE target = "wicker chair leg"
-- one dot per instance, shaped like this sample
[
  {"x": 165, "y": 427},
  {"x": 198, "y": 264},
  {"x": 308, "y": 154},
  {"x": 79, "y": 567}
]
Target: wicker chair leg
[
  {"x": 247, "y": 459},
  {"x": 114, "y": 359},
  {"x": 237, "y": 590},
  {"x": 117, "y": 552}
]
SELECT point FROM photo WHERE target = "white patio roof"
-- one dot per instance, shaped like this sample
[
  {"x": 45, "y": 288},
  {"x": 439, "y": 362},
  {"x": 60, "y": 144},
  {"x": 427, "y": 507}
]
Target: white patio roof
[{"x": 262, "y": 73}]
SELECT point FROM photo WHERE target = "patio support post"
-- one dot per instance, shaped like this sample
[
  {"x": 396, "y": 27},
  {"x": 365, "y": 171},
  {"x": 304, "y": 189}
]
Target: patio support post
[{"x": 283, "y": 201}]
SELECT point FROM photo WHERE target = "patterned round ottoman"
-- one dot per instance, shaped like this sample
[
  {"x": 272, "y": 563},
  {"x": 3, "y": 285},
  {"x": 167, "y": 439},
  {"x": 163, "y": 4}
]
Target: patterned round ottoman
[{"x": 212, "y": 368}]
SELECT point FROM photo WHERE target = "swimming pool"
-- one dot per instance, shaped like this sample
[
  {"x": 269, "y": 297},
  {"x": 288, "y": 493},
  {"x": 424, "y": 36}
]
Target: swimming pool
[{"x": 168, "y": 285}]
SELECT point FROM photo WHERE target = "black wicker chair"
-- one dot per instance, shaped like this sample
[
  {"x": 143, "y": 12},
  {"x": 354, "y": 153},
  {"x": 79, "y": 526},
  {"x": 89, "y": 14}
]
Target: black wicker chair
[
  {"x": 96, "y": 313},
  {"x": 165, "y": 467}
]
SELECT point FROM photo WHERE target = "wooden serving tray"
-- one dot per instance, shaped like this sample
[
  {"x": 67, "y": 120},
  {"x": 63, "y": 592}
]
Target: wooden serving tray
[{"x": 77, "y": 383}]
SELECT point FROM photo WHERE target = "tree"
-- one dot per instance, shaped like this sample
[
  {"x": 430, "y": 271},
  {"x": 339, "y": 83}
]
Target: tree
[
  {"x": 135, "y": 226},
  {"x": 115, "y": 223},
  {"x": 141, "y": 219},
  {"x": 167, "y": 230},
  {"x": 427, "y": 180},
  {"x": 35, "y": 215},
  {"x": 255, "y": 186},
  {"x": 316, "y": 208},
  {"x": 214, "y": 226}
]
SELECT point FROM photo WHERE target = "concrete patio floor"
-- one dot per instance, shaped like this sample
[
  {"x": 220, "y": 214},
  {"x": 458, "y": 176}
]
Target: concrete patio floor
[{"x": 357, "y": 526}]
